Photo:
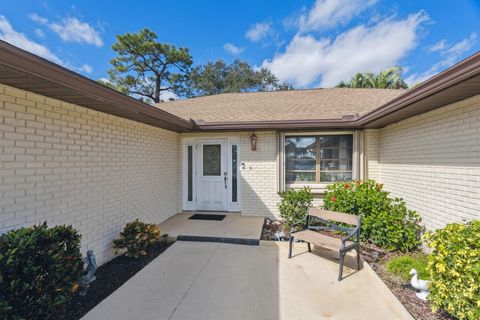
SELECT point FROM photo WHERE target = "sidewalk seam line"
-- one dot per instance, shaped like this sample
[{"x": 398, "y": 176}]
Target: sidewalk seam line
[{"x": 192, "y": 283}]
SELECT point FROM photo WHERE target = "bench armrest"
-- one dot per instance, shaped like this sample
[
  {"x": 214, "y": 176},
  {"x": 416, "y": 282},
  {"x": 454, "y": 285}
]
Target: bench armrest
[
  {"x": 304, "y": 223},
  {"x": 355, "y": 232},
  {"x": 296, "y": 227},
  {"x": 299, "y": 224}
]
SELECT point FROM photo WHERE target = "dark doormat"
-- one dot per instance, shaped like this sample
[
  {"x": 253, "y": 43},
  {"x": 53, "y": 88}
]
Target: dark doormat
[{"x": 215, "y": 217}]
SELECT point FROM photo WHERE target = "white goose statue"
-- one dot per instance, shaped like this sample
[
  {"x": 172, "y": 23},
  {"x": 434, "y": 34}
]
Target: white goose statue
[{"x": 420, "y": 285}]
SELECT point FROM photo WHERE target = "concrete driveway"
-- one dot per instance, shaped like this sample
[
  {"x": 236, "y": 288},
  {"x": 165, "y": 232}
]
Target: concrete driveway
[{"x": 224, "y": 281}]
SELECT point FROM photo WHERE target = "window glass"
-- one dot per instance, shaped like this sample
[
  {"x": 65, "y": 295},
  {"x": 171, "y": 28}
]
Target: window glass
[
  {"x": 212, "y": 160},
  {"x": 301, "y": 153},
  {"x": 234, "y": 173},
  {"x": 190, "y": 172},
  {"x": 315, "y": 159}
]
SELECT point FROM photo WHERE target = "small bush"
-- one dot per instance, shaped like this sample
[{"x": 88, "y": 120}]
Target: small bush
[
  {"x": 136, "y": 237},
  {"x": 454, "y": 268},
  {"x": 39, "y": 268},
  {"x": 386, "y": 222},
  {"x": 293, "y": 207},
  {"x": 401, "y": 266}
]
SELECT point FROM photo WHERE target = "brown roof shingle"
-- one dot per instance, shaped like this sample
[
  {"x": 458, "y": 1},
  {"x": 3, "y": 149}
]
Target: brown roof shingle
[{"x": 313, "y": 104}]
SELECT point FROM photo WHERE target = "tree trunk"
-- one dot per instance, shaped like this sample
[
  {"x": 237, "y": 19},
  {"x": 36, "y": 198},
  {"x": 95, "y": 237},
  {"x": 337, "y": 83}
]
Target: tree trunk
[{"x": 158, "y": 83}]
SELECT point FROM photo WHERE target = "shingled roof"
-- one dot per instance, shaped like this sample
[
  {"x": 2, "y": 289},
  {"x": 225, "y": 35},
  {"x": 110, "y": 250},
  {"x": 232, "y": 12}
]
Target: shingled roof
[
  {"x": 315, "y": 104},
  {"x": 296, "y": 109}
]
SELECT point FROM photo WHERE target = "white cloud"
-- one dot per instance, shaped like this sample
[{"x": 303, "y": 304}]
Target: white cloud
[
  {"x": 39, "y": 33},
  {"x": 417, "y": 78},
  {"x": 440, "y": 45},
  {"x": 18, "y": 39},
  {"x": 87, "y": 68},
  {"x": 84, "y": 68},
  {"x": 364, "y": 48},
  {"x": 462, "y": 46},
  {"x": 232, "y": 49},
  {"x": 71, "y": 29},
  {"x": 8, "y": 34},
  {"x": 36, "y": 18},
  {"x": 168, "y": 95},
  {"x": 450, "y": 53},
  {"x": 258, "y": 31},
  {"x": 330, "y": 13}
]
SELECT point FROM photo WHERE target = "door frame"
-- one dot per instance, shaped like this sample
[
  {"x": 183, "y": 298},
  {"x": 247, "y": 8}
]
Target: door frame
[{"x": 194, "y": 143}]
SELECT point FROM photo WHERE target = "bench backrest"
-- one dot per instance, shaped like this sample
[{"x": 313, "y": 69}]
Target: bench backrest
[{"x": 334, "y": 216}]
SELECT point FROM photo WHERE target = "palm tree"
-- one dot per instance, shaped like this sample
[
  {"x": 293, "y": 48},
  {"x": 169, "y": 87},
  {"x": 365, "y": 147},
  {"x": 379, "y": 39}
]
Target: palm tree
[{"x": 387, "y": 79}]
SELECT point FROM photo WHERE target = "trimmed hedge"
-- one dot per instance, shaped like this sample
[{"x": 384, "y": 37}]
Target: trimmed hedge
[
  {"x": 293, "y": 207},
  {"x": 39, "y": 270},
  {"x": 386, "y": 221},
  {"x": 136, "y": 237},
  {"x": 454, "y": 268}
]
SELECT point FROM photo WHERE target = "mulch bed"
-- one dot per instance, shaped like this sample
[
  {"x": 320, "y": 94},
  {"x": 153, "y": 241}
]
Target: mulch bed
[
  {"x": 420, "y": 310},
  {"x": 270, "y": 227},
  {"x": 377, "y": 258},
  {"x": 110, "y": 276}
]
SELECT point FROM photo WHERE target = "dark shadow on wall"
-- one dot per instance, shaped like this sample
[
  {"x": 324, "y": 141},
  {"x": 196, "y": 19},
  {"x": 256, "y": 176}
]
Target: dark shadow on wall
[{"x": 253, "y": 204}]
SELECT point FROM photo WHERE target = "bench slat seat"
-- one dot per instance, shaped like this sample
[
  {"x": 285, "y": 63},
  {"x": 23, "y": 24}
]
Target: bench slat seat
[
  {"x": 335, "y": 221},
  {"x": 320, "y": 239}
]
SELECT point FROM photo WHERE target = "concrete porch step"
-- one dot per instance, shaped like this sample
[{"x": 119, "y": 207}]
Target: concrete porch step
[
  {"x": 233, "y": 229},
  {"x": 242, "y": 241}
]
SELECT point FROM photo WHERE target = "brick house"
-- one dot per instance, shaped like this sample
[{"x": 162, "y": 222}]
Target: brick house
[{"x": 76, "y": 152}]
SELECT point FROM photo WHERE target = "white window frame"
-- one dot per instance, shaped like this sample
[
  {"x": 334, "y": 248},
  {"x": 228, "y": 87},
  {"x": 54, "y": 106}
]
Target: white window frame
[{"x": 357, "y": 156}]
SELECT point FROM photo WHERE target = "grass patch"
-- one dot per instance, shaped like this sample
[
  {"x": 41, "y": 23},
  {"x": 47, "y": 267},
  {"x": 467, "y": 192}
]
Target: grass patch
[{"x": 401, "y": 266}]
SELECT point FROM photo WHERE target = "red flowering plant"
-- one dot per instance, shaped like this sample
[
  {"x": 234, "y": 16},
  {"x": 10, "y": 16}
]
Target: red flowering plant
[{"x": 386, "y": 221}]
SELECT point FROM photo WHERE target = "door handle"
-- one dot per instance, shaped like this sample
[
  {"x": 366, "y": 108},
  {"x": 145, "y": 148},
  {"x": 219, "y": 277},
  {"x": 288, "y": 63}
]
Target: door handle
[{"x": 225, "y": 179}]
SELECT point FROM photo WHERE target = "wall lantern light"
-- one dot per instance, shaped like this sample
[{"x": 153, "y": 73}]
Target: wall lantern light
[{"x": 253, "y": 142}]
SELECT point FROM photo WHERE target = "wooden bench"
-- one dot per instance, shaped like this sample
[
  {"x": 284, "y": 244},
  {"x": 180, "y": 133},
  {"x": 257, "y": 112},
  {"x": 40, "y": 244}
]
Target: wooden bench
[{"x": 329, "y": 221}]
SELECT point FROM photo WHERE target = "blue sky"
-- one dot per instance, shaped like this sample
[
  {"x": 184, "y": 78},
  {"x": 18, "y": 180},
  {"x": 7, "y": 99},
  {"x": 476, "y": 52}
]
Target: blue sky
[{"x": 307, "y": 43}]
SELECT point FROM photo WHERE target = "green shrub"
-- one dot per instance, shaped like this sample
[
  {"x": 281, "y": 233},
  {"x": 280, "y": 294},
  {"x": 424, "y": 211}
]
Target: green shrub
[
  {"x": 386, "y": 222},
  {"x": 454, "y": 268},
  {"x": 136, "y": 237},
  {"x": 401, "y": 266},
  {"x": 293, "y": 207},
  {"x": 39, "y": 268}
]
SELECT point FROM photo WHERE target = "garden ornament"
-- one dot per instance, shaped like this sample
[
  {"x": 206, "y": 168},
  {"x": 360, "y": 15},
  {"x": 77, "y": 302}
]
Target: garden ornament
[
  {"x": 279, "y": 236},
  {"x": 165, "y": 237},
  {"x": 89, "y": 277},
  {"x": 420, "y": 285}
]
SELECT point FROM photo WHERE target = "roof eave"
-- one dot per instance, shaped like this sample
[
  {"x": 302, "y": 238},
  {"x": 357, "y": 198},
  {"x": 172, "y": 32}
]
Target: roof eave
[
  {"x": 451, "y": 77},
  {"x": 35, "y": 74},
  {"x": 447, "y": 87},
  {"x": 34, "y": 67},
  {"x": 342, "y": 123}
]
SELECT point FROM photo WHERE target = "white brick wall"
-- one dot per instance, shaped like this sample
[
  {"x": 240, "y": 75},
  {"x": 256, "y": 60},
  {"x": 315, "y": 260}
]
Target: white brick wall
[
  {"x": 371, "y": 154},
  {"x": 260, "y": 176},
  {"x": 433, "y": 162},
  {"x": 258, "y": 180},
  {"x": 66, "y": 164}
]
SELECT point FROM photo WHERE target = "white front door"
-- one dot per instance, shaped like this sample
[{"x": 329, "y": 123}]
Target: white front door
[{"x": 212, "y": 182}]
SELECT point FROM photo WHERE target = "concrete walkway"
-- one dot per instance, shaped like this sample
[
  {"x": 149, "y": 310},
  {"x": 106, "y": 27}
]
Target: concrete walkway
[{"x": 224, "y": 281}]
